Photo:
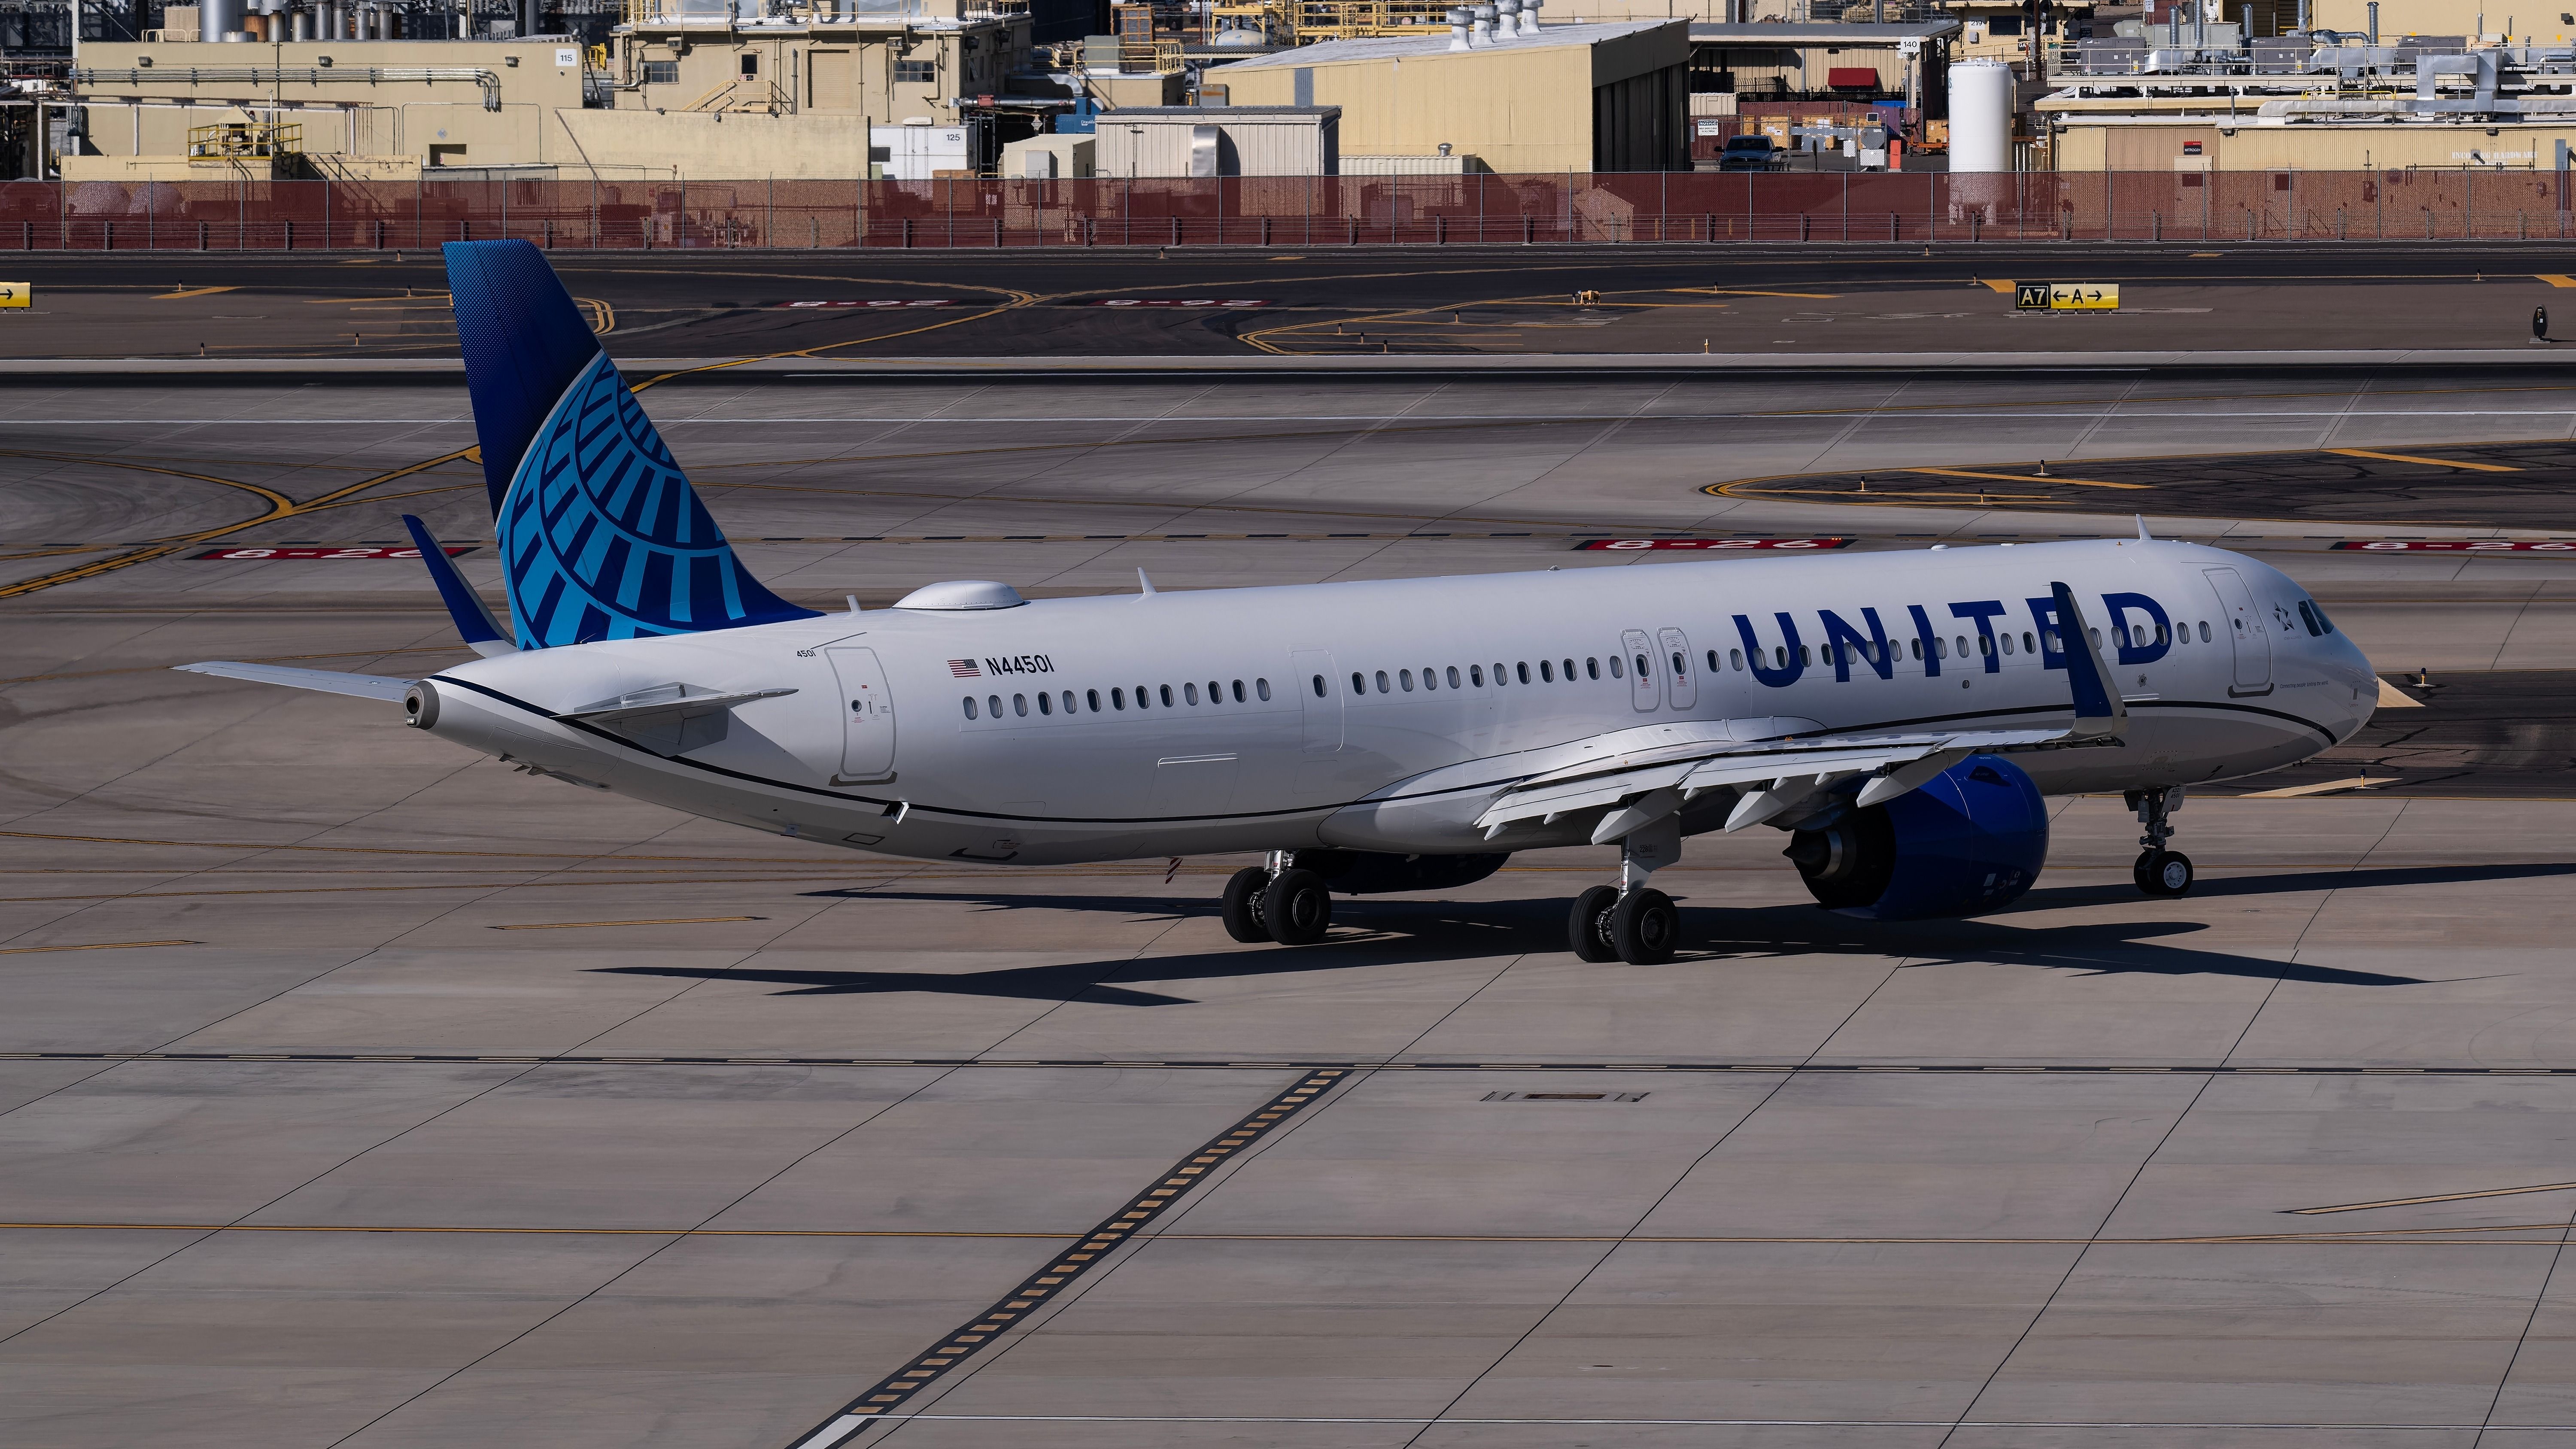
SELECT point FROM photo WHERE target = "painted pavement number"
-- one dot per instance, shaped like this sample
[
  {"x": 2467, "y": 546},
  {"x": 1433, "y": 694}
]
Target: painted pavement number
[
  {"x": 1182, "y": 302},
  {"x": 2459, "y": 545},
  {"x": 254, "y": 555},
  {"x": 1061, "y": 1272},
  {"x": 1595, "y": 545}
]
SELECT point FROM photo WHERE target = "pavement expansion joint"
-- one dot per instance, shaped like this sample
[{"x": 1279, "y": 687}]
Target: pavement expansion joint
[{"x": 1065, "y": 1269}]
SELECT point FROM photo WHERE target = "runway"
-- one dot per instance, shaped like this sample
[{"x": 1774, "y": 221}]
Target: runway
[{"x": 357, "y": 1091}]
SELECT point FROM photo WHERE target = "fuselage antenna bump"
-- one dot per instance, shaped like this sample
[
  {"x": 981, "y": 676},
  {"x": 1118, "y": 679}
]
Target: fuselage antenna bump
[
  {"x": 854, "y": 602},
  {"x": 1144, "y": 585},
  {"x": 2143, "y": 535}
]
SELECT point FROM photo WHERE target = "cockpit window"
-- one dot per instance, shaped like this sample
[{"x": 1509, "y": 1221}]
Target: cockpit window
[{"x": 2324, "y": 624}]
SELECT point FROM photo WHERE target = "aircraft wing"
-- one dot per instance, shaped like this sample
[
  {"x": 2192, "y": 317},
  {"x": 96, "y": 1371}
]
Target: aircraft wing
[{"x": 1696, "y": 769}]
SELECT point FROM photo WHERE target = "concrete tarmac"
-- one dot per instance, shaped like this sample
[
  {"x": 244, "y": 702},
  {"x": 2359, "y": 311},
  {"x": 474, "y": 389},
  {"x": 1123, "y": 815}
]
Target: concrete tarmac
[{"x": 357, "y": 1090}]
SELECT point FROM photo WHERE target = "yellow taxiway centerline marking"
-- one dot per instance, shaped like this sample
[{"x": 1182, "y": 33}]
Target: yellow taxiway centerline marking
[
  {"x": 191, "y": 292},
  {"x": 2354, "y": 1207},
  {"x": 2556, "y": 279},
  {"x": 2025, "y": 478},
  {"x": 665, "y": 921},
  {"x": 92, "y": 946},
  {"x": 1993, "y": 285},
  {"x": 1748, "y": 292},
  {"x": 2391, "y": 697},
  {"x": 2411, "y": 458},
  {"x": 2322, "y": 787}
]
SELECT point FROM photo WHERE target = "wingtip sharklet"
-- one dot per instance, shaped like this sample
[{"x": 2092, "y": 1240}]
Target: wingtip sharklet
[{"x": 2098, "y": 710}]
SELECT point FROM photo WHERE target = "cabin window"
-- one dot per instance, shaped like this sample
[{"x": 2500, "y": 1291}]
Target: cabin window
[
  {"x": 2097, "y": 637},
  {"x": 2161, "y": 635},
  {"x": 1712, "y": 661},
  {"x": 970, "y": 706},
  {"x": 1216, "y": 693},
  {"x": 1735, "y": 660},
  {"x": 2138, "y": 635},
  {"x": 1068, "y": 701},
  {"x": 1430, "y": 677},
  {"x": 1046, "y": 705},
  {"x": 2008, "y": 644},
  {"x": 1453, "y": 676},
  {"x": 1523, "y": 668},
  {"x": 1546, "y": 672},
  {"x": 1261, "y": 687},
  {"x": 1476, "y": 675},
  {"x": 1405, "y": 678},
  {"x": 1915, "y": 646},
  {"x": 1319, "y": 686},
  {"x": 1679, "y": 669},
  {"x": 1359, "y": 685},
  {"x": 1117, "y": 699},
  {"x": 1615, "y": 671},
  {"x": 1190, "y": 692},
  {"x": 1020, "y": 705},
  {"x": 1167, "y": 695},
  {"x": 1986, "y": 645},
  {"x": 1804, "y": 656},
  {"x": 1093, "y": 696},
  {"x": 1569, "y": 671},
  {"x": 1502, "y": 676},
  {"x": 1382, "y": 685},
  {"x": 2204, "y": 631},
  {"x": 993, "y": 704},
  {"x": 1238, "y": 691}
]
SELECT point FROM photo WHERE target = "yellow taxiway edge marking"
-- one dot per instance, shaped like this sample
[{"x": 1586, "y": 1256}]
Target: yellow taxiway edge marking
[
  {"x": 1993, "y": 285},
  {"x": 2322, "y": 787},
  {"x": 191, "y": 292},
  {"x": 2556, "y": 279},
  {"x": 2025, "y": 478},
  {"x": 2354, "y": 1207},
  {"x": 1748, "y": 292},
  {"x": 93, "y": 946},
  {"x": 2411, "y": 458},
  {"x": 2391, "y": 697},
  {"x": 665, "y": 921}
]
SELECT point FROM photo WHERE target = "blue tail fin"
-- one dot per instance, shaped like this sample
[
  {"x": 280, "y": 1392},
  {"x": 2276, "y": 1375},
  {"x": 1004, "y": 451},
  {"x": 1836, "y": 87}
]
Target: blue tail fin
[{"x": 601, "y": 536}]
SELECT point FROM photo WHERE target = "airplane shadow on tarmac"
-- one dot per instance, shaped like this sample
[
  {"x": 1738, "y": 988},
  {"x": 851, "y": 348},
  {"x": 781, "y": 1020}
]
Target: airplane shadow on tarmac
[{"x": 1399, "y": 932}]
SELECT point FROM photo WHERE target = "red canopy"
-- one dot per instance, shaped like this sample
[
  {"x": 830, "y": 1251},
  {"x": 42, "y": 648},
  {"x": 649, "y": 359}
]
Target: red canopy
[{"x": 1852, "y": 75}]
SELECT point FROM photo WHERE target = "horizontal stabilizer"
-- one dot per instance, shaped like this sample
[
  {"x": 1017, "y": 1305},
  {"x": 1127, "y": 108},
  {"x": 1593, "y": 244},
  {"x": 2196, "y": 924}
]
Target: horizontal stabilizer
[
  {"x": 670, "y": 719},
  {"x": 474, "y": 622},
  {"x": 328, "y": 681}
]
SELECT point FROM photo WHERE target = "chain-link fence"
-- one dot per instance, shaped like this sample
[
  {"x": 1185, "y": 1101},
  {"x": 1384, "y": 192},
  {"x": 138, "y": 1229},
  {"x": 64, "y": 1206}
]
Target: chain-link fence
[{"x": 1292, "y": 210}]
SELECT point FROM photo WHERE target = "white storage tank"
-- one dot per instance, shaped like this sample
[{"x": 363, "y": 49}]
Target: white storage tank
[{"x": 1981, "y": 113}]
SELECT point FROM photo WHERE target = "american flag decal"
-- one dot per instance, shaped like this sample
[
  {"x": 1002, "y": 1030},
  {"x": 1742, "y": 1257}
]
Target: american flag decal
[{"x": 964, "y": 669}]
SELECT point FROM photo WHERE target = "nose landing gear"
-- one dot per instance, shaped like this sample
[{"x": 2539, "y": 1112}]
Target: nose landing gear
[
  {"x": 2159, "y": 872},
  {"x": 1275, "y": 901},
  {"x": 1631, "y": 921}
]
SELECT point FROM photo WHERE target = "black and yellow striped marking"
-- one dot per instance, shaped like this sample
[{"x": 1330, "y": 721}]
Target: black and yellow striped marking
[{"x": 1063, "y": 1270}]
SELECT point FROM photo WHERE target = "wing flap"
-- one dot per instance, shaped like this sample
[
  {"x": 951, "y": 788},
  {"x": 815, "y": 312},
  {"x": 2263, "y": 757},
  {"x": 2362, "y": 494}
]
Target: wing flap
[
  {"x": 1599, "y": 784},
  {"x": 328, "y": 681}
]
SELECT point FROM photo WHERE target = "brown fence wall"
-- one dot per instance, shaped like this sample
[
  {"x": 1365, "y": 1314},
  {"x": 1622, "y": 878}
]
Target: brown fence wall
[{"x": 1281, "y": 211}]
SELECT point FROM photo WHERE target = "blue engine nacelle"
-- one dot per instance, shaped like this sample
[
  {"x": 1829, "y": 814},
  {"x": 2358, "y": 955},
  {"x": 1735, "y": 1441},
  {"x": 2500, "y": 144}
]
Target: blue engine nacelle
[{"x": 1969, "y": 841}]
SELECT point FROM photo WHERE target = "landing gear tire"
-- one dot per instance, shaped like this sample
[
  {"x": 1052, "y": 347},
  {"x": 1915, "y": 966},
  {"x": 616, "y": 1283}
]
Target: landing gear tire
[
  {"x": 1297, "y": 908},
  {"x": 2164, "y": 873},
  {"x": 1644, "y": 927},
  {"x": 1243, "y": 892},
  {"x": 1587, "y": 928}
]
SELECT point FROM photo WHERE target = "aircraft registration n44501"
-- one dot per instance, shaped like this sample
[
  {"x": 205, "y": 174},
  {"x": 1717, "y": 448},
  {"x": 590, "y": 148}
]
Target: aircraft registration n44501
[{"x": 1899, "y": 716}]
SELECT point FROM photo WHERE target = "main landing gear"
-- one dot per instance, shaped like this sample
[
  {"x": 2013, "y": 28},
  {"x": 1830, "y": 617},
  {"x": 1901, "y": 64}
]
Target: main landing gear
[
  {"x": 2159, "y": 872},
  {"x": 1275, "y": 901},
  {"x": 1631, "y": 921}
]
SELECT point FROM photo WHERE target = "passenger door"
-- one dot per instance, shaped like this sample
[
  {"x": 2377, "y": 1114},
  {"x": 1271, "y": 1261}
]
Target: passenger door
[
  {"x": 867, "y": 716},
  {"x": 1642, "y": 691},
  {"x": 1680, "y": 686},
  {"x": 2245, "y": 631}
]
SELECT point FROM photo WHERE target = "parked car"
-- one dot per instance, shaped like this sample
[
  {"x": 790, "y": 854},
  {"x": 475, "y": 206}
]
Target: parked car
[{"x": 1751, "y": 153}]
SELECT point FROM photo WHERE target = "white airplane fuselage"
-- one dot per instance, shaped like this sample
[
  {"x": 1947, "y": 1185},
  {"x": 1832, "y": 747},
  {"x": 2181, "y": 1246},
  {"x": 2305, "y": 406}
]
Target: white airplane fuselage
[{"x": 1384, "y": 716}]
